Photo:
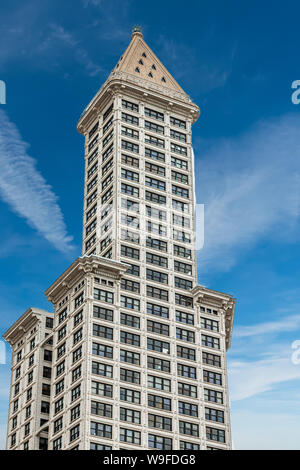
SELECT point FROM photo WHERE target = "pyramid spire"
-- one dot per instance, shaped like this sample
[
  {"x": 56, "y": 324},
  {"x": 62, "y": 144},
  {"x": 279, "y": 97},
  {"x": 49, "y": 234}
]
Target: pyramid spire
[{"x": 140, "y": 61}]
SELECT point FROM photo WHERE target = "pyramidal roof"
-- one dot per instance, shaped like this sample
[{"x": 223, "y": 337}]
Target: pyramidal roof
[{"x": 139, "y": 60}]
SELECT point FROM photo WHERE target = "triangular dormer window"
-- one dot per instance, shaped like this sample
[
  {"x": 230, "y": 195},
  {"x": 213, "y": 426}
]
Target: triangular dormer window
[
  {"x": 137, "y": 70},
  {"x": 150, "y": 74},
  {"x": 144, "y": 55},
  {"x": 163, "y": 79},
  {"x": 153, "y": 67},
  {"x": 141, "y": 62}
]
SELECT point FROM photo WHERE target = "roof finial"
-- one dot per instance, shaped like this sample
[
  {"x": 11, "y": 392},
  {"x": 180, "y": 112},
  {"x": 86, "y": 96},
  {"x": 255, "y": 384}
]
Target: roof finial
[{"x": 137, "y": 30}]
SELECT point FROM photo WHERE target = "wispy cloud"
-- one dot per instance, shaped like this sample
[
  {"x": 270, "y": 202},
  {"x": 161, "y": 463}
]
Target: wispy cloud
[
  {"x": 25, "y": 189},
  {"x": 290, "y": 323},
  {"x": 59, "y": 36},
  {"x": 250, "y": 186}
]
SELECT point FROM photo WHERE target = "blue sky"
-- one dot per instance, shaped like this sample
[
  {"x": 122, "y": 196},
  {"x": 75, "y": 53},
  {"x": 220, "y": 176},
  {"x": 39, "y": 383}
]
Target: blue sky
[{"x": 237, "y": 60}]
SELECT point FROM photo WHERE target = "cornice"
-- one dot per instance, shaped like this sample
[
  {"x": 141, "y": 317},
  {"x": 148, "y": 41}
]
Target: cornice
[
  {"x": 92, "y": 264},
  {"x": 24, "y": 324},
  {"x": 224, "y": 302},
  {"x": 119, "y": 81}
]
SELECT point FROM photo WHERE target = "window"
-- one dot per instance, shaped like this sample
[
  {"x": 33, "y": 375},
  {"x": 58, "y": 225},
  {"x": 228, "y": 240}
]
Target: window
[
  {"x": 210, "y": 341},
  {"x": 130, "y": 357},
  {"x": 102, "y": 331},
  {"x": 127, "y": 435},
  {"x": 183, "y": 283},
  {"x": 153, "y": 127},
  {"x": 76, "y": 373},
  {"x": 127, "y": 375},
  {"x": 155, "y": 169},
  {"x": 183, "y": 268},
  {"x": 215, "y": 434},
  {"x": 49, "y": 322},
  {"x": 156, "y": 244},
  {"x": 94, "y": 446},
  {"x": 211, "y": 359},
  {"x": 101, "y": 430},
  {"x": 75, "y": 393},
  {"x": 186, "y": 353},
  {"x": 127, "y": 131},
  {"x": 158, "y": 364},
  {"x": 131, "y": 416},
  {"x": 156, "y": 276},
  {"x": 155, "y": 401},
  {"x": 179, "y": 191},
  {"x": 155, "y": 183},
  {"x": 129, "y": 160},
  {"x": 187, "y": 390},
  {"x": 131, "y": 119},
  {"x": 103, "y": 313},
  {"x": 157, "y": 293},
  {"x": 177, "y": 122},
  {"x": 129, "y": 175},
  {"x": 212, "y": 377},
  {"x": 130, "y": 320},
  {"x": 213, "y": 396},
  {"x": 180, "y": 177},
  {"x": 157, "y": 310},
  {"x": 158, "y": 346},
  {"x": 102, "y": 389},
  {"x": 129, "y": 146},
  {"x": 129, "y": 338},
  {"x": 103, "y": 295},
  {"x": 130, "y": 396},
  {"x": 158, "y": 442},
  {"x": 177, "y": 135},
  {"x": 75, "y": 413},
  {"x": 188, "y": 428},
  {"x": 178, "y": 149},
  {"x": 77, "y": 336},
  {"x": 208, "y": 324},
  {"x": 59, "y": 386},
  {"x": 132, "y": 286},
  {"x": 77, "y": 354},
  {"x": 61, "y": 333},
  {"x": 159, "y": 383},
  {"x": 154, "y": 154},
  {"x": 156, "y": 327},
  {"x": 104, "y": 370},
  {"x": 134, "y": 270},
  {"x": 214, "y": 415},
  {"x": 183, "y": 300},
  {"x": 101, "y": 409},
  {"x": 128, "y": 302},
  {"x": 78, "y": 300},
  {"x": 57, "y": 443},
  {"x": 183, "y": 317},
  {"x": 129, "y": 105},
  {"x": 186, "y": 371},
  {"x": 154, "y": 114},
  {"x": 130, "y": 190},
  {"x": 160, "y": 422},
  {"x": 156, "y": 198},
  {"x": 187, "y": 409},
  {"x": 45, "y": 407},
  {"x": 182, "y": 252},
  {"x": 102, "y": 350},
  {"x": 189, "y": 446},
  {"x": 107, "y": 112},
  {"x": 47, "y": 372},
  {"x": 185, "y": 335},
  {"x": 57, "y": 425}
]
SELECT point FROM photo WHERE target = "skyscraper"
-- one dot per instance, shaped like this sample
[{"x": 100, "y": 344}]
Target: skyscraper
[{"x": 139, "y": 349}]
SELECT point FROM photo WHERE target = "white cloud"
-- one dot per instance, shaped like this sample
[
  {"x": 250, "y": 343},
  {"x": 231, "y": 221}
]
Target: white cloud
[
  {"x": 25, "y": 189},
  {"x": 250, "y": 187},
  {"x": 290, "y": 323}
]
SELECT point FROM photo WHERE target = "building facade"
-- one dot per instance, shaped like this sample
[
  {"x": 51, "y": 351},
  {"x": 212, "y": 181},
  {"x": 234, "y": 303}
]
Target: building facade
[{"x": 139, "y": 349}]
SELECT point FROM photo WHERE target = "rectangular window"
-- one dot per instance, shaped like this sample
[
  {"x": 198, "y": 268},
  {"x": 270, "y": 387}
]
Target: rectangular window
[
  {"x": 189, "y": 429},
  {"x": 131, "y": 376},
  {"x": 103, "y": 295},
  {"x": 208, "y": 324},
  {"x": 154, "y": 154},
  {"x": 156, "y": 401},
  {"x": 103, "y": 313},
  {"x": 158, "y": 346},
  {"x": 101, "y": 430},
  {"x": 104, "y": 370},
  {"x": 158, "y": 364},
  {"x": 101, "y": 409},
  {"x": 128, "y": 302},
  {"x": 102, "y": 350},
  {"x": 128, "y": 435},
  {"x": 187, "y": 409},
  {"x": 158, "y": 310},
  {"x": 130, "y": 357},
  {"x": 102, "y": 331},
  {"x": 129, "y": 338},
  {"x": 210, "y": 342},
  {"x": 186, "y": 371},
  {"x": 130, "y": 416},
  {"x": 130, "y": 320},
  {"x": 187, "y": 390},
  {"x": 129, "y": 146},
  {"x": 212, "y": 377},
  {"x": 130, "y": 396},
  {"x": 159, "y": 383},
  {"x": 185, "y": 335},
  {"x": 214, "y": 415},
  {"x": 160, "y": 422},
  {"x": 154, "y": 114},
  {"x": 186, "y": 353},
  {"x": 102, "y": 389},
  {"x": 129, "y": 105},
  {"x": 215, "y": 434},
  {"x": 213, "y": 396},
  {"x": 156, "y": 327},
  {"x": 159, "y": 442}
]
